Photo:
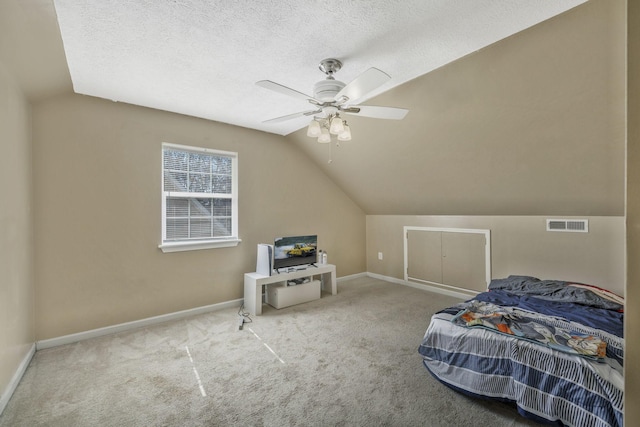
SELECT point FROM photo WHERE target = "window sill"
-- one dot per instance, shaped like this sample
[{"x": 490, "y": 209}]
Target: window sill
[{"x": 198, "y": 245}]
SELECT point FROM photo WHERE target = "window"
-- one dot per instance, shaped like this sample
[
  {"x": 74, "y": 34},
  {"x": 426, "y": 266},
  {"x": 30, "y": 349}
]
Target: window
[{"x": 199, "y": 198}]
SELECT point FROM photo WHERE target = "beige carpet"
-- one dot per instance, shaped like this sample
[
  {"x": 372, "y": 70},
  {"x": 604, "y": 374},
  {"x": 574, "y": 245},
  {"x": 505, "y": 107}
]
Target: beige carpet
[{"x": 345, "y": 360}]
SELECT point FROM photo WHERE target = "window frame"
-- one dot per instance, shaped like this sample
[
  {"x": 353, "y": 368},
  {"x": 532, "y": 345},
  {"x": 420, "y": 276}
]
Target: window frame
[{"x": 197, "y": 244}]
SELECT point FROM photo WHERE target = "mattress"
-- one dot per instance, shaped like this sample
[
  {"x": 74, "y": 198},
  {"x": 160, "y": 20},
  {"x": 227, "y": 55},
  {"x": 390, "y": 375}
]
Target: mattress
[{"x": 553, "y": 376}]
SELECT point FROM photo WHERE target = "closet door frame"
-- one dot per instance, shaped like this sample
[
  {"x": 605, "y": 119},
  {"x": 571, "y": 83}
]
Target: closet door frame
[{"x": 487, "y": 250}]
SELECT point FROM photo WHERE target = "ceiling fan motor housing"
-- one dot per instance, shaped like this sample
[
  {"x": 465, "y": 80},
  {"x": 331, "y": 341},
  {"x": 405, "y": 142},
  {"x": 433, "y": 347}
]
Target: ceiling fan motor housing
[{"x": 326, "y": 90}]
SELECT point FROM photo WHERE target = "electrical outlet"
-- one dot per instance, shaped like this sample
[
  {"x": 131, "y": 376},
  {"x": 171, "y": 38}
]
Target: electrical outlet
[
  {"x": 380, "y": 256},
  {"x": 240, "y": 322}
]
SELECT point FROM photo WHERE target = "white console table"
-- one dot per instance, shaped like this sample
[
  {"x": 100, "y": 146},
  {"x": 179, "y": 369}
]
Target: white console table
[{"x": 253, "y": 283}]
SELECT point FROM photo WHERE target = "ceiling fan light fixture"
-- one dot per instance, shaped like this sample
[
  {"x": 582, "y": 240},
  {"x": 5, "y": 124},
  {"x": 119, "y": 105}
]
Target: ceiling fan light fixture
[
  {"x": 314, "y": 129},
  {"x": 345, "y": 135},
  {"x": 325, "y": 136},
  {"x": 332, "y": 97},
  {"x": 337, "y": 126}
]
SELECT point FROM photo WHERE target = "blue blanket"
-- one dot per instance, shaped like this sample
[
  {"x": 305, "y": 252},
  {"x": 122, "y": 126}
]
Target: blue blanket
[
  {"x": 553, "y": 290},
  {"x": 556, "y": 298},
  {"x": 597, "y": 318},
  {"x": 546, "y": 384}
]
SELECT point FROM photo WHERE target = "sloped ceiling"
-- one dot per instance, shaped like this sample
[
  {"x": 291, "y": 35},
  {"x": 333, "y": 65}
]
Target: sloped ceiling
[
  {"x": 531, "y": 125},
  {"x": 202, "y": 58}
]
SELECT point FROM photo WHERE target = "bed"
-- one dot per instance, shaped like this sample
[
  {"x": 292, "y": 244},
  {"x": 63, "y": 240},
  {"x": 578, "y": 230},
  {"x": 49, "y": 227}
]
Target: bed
[{"x": 554, "y": 348}]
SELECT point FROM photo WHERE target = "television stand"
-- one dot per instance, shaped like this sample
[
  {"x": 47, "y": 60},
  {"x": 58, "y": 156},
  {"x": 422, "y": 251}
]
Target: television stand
[
  {"x": 253, "y": 283},
  {"x": 285, "y": 270}
]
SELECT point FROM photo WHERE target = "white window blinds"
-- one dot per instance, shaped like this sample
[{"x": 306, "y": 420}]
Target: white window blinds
[{"x": 199, "y": 194}]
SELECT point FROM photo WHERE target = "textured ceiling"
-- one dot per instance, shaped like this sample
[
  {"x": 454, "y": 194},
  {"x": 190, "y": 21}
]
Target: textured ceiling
[{"x": 202, "y": 58}]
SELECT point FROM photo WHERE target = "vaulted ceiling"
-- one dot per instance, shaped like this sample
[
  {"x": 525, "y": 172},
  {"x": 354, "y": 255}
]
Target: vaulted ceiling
[
  {"x": 516, "y": 107},
  {"x": 202, "y": 58},
  {"x": 531, "y": 125}
]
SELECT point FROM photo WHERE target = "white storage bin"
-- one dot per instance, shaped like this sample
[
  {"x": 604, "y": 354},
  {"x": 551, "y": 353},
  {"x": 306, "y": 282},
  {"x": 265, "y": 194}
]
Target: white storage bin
[{"x": 279, "y": 295}]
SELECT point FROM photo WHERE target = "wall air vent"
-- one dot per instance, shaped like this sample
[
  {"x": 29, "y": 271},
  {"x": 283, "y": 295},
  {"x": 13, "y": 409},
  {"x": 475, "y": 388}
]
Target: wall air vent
[{"x": 568, "y": 225}]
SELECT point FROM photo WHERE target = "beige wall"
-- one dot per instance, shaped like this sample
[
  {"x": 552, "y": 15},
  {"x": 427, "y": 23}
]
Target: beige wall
[
  {"x": 16, "y": 281},
  {"x": 97, "y": 178},
  {"x": 519, "y": 245},
  {"x": 31, "y": 45},
  {"x": 632, "y": 315}
]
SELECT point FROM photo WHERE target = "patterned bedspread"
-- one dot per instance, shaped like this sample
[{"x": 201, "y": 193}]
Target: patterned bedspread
[
  {"x": 529, "y": 326},
  {"x": 548, "y": 382}
]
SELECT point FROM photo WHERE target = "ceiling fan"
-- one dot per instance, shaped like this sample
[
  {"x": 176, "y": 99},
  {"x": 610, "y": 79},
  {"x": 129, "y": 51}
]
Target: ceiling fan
[{"x": 332, "y": 97}]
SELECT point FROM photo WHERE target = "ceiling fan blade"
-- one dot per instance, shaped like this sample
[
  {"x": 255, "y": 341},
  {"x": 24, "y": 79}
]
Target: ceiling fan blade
[
  {"x": 391, "y": 113},
  {"x": 276, "y": 87},
  {"x": 363, "y": 84},
  {"x": 292, "y": 116}
]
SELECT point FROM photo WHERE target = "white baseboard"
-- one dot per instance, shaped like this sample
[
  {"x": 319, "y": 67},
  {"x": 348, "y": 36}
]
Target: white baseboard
[
  {"x": 80, "y": 336},
  {"x": 351, "y": 276},
  {"x": 17, "y": 376},
  {"x": 68, "y": 339},
  {"x": 451, "y": 291}
]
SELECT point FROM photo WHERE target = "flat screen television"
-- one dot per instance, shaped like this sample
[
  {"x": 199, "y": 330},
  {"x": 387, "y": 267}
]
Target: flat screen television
[{"x": 294, "y": 250}]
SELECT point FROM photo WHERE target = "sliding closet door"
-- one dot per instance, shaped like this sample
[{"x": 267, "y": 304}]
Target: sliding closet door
[
  {"x": 424, "y": 251},
  {"x": 463, "y": 261}
]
